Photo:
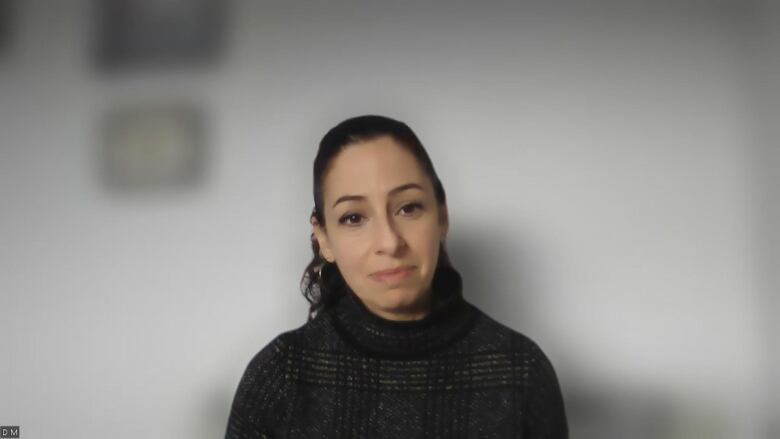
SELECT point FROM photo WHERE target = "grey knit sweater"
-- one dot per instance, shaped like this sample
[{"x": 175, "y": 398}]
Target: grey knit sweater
[{"x": 348, "y": 373}]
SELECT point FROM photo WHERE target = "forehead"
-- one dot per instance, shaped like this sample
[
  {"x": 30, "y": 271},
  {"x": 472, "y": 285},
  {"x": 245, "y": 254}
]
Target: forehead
[{"x": 372, "y": 168}]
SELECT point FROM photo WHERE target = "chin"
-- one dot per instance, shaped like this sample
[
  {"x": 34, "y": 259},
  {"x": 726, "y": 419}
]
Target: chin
[{"x": 399, "y": 298}]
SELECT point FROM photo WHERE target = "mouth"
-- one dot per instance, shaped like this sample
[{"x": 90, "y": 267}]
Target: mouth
[{"x": 392, "y": 276}]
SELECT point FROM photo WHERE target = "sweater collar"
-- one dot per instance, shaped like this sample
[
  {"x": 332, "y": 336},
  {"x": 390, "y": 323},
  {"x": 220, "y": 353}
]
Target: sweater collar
[{"x": 448, "y": 320}]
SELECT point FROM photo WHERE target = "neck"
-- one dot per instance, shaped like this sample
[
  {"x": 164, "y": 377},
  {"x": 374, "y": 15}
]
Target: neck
[
  {"x": 416, "y": 311},
  {"x": 448, "y": 317}
]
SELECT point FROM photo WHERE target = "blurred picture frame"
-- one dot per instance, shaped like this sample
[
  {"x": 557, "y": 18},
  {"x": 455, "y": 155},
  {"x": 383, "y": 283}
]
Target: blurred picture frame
[
  {"x": 138, "y": 34},
  {"x": 152, "y": 147},
  {"x": 7, "y": 9}
]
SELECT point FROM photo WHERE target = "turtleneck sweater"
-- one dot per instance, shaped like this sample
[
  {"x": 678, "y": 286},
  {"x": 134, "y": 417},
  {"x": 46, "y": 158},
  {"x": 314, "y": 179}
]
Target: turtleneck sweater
[{"x": 349, "y": 373}]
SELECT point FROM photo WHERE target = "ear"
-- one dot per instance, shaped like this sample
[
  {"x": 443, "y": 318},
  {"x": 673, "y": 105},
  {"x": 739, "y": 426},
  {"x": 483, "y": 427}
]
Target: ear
[{"x": 322, "y": 239}]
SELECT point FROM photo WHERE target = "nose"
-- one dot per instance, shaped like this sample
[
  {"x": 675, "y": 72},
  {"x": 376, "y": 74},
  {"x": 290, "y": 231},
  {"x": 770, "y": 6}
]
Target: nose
[{"x": 388, "y": 239}]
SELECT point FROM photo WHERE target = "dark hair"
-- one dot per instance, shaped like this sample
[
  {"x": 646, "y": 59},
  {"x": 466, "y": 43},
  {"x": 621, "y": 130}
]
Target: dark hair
[{"x": 322, "y": 284}]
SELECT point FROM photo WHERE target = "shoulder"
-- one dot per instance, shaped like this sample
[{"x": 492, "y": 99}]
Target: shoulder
[
  {"x": 545, "y": 415},
  {"x": 272, "y": 354},
  {"x": 491, "y": 336},
  {"x": 265, "y": 371},
  {"x": 312, "y": 334},
  {"x": 260, "y": 397}
]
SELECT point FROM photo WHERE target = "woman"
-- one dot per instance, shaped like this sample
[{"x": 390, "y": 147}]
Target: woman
[{"x": 391, "y": 348}]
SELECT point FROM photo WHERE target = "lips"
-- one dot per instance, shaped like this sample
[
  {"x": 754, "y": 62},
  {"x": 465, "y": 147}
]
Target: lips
[{"x": 393, "y": 275}]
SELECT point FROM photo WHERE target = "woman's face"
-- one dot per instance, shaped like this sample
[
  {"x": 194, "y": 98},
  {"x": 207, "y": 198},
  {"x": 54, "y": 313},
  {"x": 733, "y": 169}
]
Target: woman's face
[{"x": 381, "y": 214}]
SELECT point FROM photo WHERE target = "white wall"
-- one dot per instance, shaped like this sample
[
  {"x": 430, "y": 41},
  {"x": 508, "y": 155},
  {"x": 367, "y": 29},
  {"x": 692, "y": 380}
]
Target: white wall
[
  {"x": 766, "y": 94},
  {"x": 599, "y": 163}
]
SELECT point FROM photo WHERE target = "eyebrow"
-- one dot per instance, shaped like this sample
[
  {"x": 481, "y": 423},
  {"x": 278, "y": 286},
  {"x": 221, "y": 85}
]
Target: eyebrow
[{"x": 403, "y": 187}]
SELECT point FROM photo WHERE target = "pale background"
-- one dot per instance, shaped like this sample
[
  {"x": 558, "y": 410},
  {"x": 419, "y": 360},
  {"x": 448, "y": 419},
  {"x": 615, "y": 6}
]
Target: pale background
[{"x": 611, "y": 170}]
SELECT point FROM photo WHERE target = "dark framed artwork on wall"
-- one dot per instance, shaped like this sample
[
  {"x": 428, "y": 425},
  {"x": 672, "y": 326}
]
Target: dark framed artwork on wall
[
  {"x": 138, "y": 34},
  {"x": 7, "y": 9}
]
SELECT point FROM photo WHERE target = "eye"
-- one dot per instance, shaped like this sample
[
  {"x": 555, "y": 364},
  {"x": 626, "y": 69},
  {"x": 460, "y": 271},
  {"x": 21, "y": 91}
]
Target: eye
[
  {"x": 411, "y": 208},
  {"x": 350, "y": 219}
]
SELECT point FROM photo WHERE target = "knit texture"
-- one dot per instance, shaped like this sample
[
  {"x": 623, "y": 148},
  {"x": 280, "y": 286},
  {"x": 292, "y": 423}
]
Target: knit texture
[{"x": 349, "y": 373}]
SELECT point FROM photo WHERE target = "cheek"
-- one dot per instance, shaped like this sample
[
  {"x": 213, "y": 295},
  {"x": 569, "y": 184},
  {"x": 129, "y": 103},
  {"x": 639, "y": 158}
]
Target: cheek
[
  {"x": 351, "y": 254},
  {"x": 426, "y": 243}
]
